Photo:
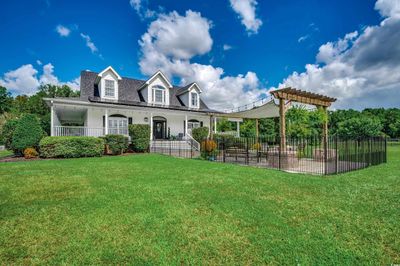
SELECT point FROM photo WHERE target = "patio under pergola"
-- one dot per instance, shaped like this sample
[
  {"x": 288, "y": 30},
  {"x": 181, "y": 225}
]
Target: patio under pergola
[{"x": 316, "y": 155}]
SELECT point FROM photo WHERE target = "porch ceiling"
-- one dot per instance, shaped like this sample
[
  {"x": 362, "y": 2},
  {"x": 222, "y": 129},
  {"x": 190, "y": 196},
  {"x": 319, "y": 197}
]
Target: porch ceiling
[{"x": 70, "y": 114}]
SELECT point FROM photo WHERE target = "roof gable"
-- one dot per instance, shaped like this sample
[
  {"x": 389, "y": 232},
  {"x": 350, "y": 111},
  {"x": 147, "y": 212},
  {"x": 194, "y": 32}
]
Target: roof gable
[
  {"x": 154, "y": 76},
  {"x": 109, "y": 69}
]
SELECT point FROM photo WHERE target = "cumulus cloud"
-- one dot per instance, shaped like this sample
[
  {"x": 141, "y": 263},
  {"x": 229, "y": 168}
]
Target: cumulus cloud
[
  {"x": 246, "y": 10},
  {"x": 63, "y": 31},
  {"x": 360, "y": 69},
  {"x": 25, "y": 80},
  {"x": 170, "y": 44}
]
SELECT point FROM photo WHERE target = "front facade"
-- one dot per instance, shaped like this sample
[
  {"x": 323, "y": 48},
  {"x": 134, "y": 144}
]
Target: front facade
[{"x": 108, "y": 103}]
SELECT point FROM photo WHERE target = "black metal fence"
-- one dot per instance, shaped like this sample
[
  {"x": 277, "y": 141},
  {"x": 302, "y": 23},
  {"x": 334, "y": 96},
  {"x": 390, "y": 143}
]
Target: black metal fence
[{"x": 313, "y": 155}]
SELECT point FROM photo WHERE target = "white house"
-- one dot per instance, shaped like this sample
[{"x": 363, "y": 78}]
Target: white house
[{"x": 108, "y": 103}]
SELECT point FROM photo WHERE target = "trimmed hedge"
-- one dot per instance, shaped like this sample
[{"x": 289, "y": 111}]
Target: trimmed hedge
[
  {"x": 200, "y": 133},
  {"x": 27, "y": 134},
  {"x": 140, "y": 136},
  {"x": 71, "y": 147},
  {"x": 116, "y": 143}
]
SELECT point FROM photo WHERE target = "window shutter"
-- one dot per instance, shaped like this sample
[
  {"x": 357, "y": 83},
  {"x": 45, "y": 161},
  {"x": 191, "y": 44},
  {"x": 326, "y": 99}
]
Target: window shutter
[
  {"x": 201, "y": 123},
  {"x": 129, "y": 120},
  {"x": 104, "y": 120},
  {"x": 184, "y": 127}
]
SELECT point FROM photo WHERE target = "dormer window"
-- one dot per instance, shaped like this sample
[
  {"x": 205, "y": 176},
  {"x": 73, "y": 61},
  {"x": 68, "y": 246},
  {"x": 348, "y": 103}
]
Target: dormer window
[
  {"x": 159, "y": 94},
  {"x": 194, "y": 99},
  {"x": 109, "y": 88}
]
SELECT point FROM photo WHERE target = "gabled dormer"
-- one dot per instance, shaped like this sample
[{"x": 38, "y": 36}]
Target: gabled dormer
[
  {"x": 190, "y": 95},
  {"x": 107, "y": 82},
  {"x": 156, "y": 89}
]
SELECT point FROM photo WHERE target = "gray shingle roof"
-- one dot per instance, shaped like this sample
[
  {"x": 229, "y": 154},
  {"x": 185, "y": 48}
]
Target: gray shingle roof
[{"x": 128, "y": 92}]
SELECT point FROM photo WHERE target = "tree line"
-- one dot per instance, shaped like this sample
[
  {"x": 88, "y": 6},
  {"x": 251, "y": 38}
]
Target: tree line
[{"x": 301, "y": 122}]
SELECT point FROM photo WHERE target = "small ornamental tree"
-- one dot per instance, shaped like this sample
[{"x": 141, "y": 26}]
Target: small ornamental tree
[
  {"x": 27, "y": 134},
  {"x": 200, "y": 133},
  {"x": 140, "y": 136}
]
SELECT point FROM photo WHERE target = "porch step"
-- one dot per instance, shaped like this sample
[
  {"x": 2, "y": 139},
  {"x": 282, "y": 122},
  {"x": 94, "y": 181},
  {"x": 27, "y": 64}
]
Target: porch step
[{"x": 170, "y": 144}]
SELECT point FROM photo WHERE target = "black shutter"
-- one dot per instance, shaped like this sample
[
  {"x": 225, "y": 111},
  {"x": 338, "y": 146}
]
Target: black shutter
[
  {"x": 104, "y": 121},
  {"x": 184, "y": 127},
  {"x": 129, "y": 120},
  {"x": 201, "y": 123}
]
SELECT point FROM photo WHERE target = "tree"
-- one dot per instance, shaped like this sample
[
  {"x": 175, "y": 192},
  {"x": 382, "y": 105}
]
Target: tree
[
  {"x": 7, "y": 132},
  {"x": 27, "y": 134},
  {"x": 5, "y": 100},
  {"x": 298, "y": 122},
  {"x": 224, "y": 125},
  {"x": 359, "y": 127}
]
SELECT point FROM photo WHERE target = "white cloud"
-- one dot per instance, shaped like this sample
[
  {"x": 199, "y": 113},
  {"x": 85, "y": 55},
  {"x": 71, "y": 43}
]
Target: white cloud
[
  {"x": 360, "y": 69},
  {"x": 89, "y": 43},
  {"x": 63, "y": 31},
  {"x": 388, "y": 8},
  {"x": 227, "y": 47},
  {"x": 141, "y": 9},
  {"x": 39, "y": 62},
  {"x": 303, "y": 38},
  {"x": 246, "y": 10},
  {"x": 170, "y": 44},
  {"x": 24, "y": 80}
]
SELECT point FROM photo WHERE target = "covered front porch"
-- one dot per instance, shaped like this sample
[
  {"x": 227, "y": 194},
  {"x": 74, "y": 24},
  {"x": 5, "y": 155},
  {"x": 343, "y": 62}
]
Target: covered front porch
[{"x": 96, "y": 121}]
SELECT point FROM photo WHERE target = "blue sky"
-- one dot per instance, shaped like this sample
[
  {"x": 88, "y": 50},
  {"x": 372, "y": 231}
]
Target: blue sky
[{"x": 285, "y": 36}]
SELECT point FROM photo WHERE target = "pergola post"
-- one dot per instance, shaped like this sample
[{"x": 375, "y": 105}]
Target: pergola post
[
  {"x": 257, "y": 129},
  {"x": 282, "y": 124}
]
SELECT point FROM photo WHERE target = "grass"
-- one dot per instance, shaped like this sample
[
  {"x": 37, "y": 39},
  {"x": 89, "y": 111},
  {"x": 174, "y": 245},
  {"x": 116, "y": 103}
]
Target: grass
[
  {"x": 151, "y": 209},
  {"x": 5, "y": 153}
]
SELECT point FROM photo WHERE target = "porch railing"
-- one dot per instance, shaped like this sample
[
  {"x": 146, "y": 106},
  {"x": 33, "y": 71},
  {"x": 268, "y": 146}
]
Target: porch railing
[
  {"x": 78, "y": 131},
  {"x": 191, "y": 141}
]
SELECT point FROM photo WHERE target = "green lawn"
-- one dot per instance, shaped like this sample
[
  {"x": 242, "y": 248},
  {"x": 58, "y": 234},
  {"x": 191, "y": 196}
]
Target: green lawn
[{"x": 151, "y": 209}]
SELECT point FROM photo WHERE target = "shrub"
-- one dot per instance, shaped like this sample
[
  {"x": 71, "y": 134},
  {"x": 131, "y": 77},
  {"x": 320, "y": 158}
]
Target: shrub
[
  {"x": 208, "y": 145},
  {"x": 200, "y": 133},
  {"x": 27, "y": 133},
  {"x": 71, "y": 147},
  {"x": 228, "y": 140},
  {"x": 30, "y": 153},
  {"x": 8, "y": 131},
  {"x": 140, "y": 136},
  {"x": 116, "y": 143}
]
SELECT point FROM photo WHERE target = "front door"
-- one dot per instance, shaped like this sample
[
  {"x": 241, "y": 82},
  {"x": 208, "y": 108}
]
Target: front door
[{"x": 159, "y": 129}]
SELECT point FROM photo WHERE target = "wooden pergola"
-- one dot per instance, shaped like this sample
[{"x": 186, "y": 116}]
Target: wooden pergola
[{"x": 288, "y": 95}]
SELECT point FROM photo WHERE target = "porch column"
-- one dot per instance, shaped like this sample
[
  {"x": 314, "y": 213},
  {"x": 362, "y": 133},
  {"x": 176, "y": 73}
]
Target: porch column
[
  {"x": 106, "y": 123},
  {"x": 238, "y": 128},
  {"x": 215, "y": 124},
  {"x": 151, "y": 126},
  {"x": 52, "y": 119},
  {"x": 186, "y": 126}
]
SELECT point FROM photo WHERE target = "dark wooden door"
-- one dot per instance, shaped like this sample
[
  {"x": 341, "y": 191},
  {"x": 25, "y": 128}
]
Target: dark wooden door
[{"x": 158, "y": 129}]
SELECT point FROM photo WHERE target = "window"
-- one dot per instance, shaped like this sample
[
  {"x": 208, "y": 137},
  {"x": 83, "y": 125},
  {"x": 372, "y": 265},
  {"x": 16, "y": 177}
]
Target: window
[
  {"x": 159, "y": 94},
  {"x": 195, "y": 100},
  {"x": 118, "y": 125},
  {"x": 109, "y": 88}
]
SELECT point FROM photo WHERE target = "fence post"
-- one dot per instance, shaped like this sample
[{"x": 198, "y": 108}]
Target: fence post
[
  {"x": 279, "y": 154},
  {"x": 223, "y": 149},
  {"x": 337, "y": 156},
  {"x": 385, "y": 150},
  {"x": 247, "y": 150}
]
